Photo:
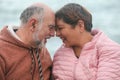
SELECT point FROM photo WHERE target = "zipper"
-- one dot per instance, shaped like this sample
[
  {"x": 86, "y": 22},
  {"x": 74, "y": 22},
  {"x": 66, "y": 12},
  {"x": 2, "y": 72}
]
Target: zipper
[{"x": 76, "y": 62}]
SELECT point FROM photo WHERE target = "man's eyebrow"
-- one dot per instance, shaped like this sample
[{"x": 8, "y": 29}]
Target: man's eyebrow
[{"x": 51, "y": 25}]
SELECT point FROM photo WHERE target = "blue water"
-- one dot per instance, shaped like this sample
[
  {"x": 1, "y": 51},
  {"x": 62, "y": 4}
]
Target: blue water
[{"x": 105, "y": 15}]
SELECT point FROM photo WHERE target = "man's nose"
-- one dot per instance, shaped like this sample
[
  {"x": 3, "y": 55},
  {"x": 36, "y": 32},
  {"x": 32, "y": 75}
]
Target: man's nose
[{"x": 52, "y": 33}]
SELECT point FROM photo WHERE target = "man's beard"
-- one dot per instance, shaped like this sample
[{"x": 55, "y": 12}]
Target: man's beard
[
  {"x": 41, "y": 44},
  {"x": 38, "y": 43}
]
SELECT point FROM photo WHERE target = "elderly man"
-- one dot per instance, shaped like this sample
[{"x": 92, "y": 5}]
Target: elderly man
[{"x": 22, "y": 52}]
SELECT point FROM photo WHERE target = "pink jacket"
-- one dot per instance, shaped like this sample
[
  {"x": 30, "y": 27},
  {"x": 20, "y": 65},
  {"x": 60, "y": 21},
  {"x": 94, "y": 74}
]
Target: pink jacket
[{"x": 99, "y": 60}]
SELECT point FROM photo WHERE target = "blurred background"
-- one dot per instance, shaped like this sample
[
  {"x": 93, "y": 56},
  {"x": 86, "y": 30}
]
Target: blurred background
[{"x": 105, "y": 16}]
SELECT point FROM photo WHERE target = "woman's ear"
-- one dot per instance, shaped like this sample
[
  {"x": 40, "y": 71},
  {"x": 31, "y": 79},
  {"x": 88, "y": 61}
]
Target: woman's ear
[{"x": 81, "y": 25}]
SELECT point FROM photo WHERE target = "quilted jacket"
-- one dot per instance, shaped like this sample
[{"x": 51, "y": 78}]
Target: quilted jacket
[{"x": 99, "y": 60}]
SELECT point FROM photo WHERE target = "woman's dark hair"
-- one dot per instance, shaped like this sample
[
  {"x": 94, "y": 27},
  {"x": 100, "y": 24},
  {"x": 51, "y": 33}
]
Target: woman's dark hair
[{"x": 72, "y": 13}]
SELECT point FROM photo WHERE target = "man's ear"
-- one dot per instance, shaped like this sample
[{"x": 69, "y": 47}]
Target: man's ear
[{"x": 32, "y": 23}]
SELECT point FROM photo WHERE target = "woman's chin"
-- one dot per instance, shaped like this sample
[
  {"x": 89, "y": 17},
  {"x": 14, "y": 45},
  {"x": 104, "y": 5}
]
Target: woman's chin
[{"x": 66, "y": 45}]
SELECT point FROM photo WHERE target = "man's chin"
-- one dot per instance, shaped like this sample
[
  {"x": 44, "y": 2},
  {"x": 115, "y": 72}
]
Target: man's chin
[{"x": 45, "y": 41}]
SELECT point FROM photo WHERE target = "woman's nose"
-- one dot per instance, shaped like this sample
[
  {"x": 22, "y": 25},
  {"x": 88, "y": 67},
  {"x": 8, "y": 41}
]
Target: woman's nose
[{"x": 57, "y": 33}]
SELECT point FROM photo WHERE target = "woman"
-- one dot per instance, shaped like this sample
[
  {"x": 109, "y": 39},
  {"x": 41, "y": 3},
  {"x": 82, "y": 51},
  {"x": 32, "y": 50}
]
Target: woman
[{"x": 86, "y": 54}]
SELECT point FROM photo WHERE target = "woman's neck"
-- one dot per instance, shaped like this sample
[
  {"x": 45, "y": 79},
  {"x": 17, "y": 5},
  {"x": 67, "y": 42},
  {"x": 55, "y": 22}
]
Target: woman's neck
[
  {"x": 77, "y": 51},
  {"x": 78, "y": 48}
]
